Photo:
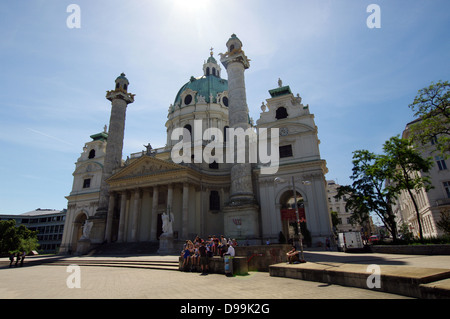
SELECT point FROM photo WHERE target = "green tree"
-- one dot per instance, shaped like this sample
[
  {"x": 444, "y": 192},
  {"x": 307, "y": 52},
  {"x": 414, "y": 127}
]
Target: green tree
[
  {"x": 9, "y": 239},
  {"x": 406, "y": 163},
  {"x": 368, "y": 192},
  {"x": 16, "y": 239},
  {"x": 334, "y": 218},
  {"x": 432, "y": 108}
]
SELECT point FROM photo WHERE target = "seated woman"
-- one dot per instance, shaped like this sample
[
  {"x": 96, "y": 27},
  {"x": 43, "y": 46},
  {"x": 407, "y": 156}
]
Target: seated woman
[{"x": 292, "y": 255}]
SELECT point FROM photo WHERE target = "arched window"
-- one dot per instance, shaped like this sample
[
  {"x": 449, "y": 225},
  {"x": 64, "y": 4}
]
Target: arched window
[
  {"x": 125, "y": 87},
  {"x": 91, "y": 154},
  {"x": 207, "y": 71},
  {"x": 117, "y": 85},
  {"x": 231, "y": 47},
  {"x": 214, "y": 200},
  {"x": 225, "y": 133},
  {"x": 214, "y": 71},
  {"x": 185, "y": 136},
  {"x": 281, "y": 113}
]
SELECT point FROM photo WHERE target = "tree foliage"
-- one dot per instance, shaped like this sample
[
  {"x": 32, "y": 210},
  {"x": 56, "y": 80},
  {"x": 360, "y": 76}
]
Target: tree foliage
[
  {"x": 16, "y": 239},
  {"x": 407, "y": 163},
  {"x": 432, "y": 108},
  {"x": 368, "y": 192},
  {"x": 379, "y": 179}
]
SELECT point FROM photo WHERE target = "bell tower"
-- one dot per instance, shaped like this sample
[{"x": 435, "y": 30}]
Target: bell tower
[{"x": 120, "y": 98}]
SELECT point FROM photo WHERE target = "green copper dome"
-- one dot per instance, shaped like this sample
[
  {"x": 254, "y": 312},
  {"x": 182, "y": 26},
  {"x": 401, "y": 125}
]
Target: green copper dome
[{"x": 204, "y": 86}]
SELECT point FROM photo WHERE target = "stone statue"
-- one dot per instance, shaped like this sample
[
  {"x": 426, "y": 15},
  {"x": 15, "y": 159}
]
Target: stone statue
[
  {"x": 149, "y": 148},
  {"x": 86, "y": 229},
  {"x": 167, "y": 220},
  {"x": 280, "y": 83}
]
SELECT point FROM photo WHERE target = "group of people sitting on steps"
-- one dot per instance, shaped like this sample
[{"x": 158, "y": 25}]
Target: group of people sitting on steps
[{"x": 196, "y": 253}]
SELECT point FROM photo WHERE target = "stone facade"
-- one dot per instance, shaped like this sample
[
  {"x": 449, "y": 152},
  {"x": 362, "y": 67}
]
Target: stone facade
[
  {"x": 217, "y": 197},
  {"x": 430, "y": 203}
]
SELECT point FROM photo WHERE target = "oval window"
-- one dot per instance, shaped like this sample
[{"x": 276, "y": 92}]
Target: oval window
[
  {"x": 188, "y": 99},
  {"x": 225, "y": 101}
]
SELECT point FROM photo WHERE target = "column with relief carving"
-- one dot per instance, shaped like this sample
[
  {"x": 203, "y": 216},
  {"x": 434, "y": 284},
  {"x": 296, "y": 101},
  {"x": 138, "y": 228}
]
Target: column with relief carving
[{"x": 242, "y": 206}]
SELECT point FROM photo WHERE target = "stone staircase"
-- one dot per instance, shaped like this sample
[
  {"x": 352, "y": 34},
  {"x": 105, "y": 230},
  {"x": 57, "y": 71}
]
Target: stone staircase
[
  {"x": 125, "y": 249},
  {"x": 121, "y": 263}
]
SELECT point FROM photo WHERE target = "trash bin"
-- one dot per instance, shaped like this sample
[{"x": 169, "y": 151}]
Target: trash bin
[{"x": 228, "y": 265}]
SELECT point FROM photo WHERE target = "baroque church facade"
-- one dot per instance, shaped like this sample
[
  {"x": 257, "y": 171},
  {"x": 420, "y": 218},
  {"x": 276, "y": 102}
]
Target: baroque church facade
[{"x": 116, "y": 200}]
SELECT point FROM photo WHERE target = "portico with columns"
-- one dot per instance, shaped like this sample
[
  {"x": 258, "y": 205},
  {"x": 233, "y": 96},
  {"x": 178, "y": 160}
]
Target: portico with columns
[{"x": 147, "y": 187}]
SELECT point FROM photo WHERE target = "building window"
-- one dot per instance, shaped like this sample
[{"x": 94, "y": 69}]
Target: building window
[
  {"x": 285, "y": 151},
  {"x": 214, "y": 200},
  {"x": 87, "y": 183},
  {"x": 225, "y": 133},
  {"x": 281, "y": 113},
  {"x": 207, "y": 71},
  {"x": 225, "y": 101},
  {"x": 91, "y": 154},
  {"x": 434, "y": 140},
  {"x": 440, "y": 163},
  {"x": 188, "y": 99},
  {"x": 447, "y": 188},
  {"x": 186, "y": 136}
]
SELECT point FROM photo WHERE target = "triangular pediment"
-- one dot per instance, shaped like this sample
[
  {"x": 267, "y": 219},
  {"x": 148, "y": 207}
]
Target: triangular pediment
[{"x": 146, "y": 166}]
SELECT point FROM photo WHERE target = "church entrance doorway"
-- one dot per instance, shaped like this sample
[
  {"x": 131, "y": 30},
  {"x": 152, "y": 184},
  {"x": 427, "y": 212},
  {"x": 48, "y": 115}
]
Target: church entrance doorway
[{"x": 289, "y": 218}]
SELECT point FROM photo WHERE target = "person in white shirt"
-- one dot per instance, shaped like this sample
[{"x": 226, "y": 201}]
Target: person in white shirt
[{"x": 230, "y": 250}]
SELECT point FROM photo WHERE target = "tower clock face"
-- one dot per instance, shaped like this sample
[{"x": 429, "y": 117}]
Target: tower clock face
[{"x": 284, "y": 131}]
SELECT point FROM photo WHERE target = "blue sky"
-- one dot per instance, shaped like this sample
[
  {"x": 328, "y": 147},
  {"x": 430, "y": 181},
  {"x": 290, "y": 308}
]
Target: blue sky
[{"x": 357, "y": 81}]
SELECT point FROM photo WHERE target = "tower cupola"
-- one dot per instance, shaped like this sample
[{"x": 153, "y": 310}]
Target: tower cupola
[
  {"x": 122, "y": 83},
  {"x": 210, "y": 67},
  {"x": 233, "y": 43}
]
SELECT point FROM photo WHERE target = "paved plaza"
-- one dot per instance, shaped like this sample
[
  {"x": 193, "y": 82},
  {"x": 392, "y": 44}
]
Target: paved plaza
[
  {"x": 47, "y": 281},
  {"x": 44, "y": 281}
]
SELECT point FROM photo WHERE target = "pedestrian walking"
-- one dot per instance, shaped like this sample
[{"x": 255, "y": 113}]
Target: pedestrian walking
[
  {"x": 11, "y": 259},
  {"x": 23, "y": 258},
  {"x": 17, "y": 259}
]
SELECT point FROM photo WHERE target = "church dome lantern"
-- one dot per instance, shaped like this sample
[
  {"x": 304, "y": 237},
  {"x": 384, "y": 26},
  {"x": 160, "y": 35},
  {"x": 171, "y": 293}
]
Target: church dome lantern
[
  {"x": 211, "y": 67},
  {"x": 203, "y": 89}
]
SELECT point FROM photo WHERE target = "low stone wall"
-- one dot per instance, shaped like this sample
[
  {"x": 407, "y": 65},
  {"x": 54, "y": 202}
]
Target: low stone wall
[
  {"x": 216, "y": 265},
  {"x": 260, "y": 257},
  {"x": 412, "y": 249}
]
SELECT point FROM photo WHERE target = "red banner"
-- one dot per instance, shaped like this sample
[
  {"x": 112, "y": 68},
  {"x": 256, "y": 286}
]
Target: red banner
[{"x": 289, "y": 214}]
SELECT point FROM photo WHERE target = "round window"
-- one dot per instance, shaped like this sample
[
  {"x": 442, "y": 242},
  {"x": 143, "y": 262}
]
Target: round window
[
  {"x": 188, "y": 99},
  {"x": 225, "y": 101}
]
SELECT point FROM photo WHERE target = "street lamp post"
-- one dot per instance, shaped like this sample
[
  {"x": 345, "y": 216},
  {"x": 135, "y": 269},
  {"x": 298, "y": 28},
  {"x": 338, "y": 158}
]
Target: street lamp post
[{"x": 280, "y": 180}]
